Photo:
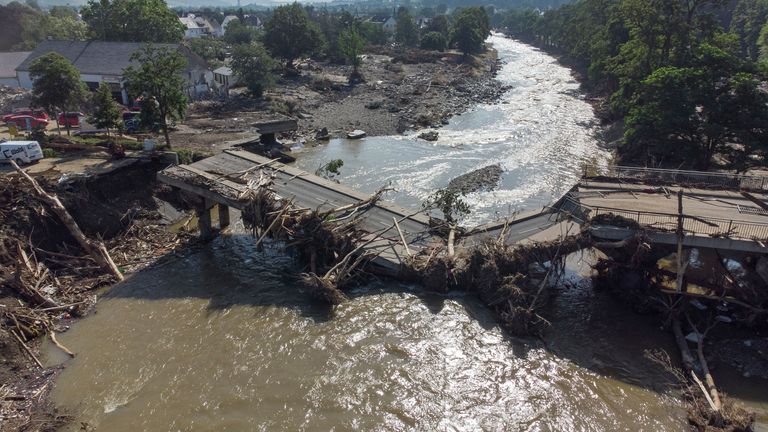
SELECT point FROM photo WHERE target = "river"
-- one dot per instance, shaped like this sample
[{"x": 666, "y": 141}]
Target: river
[{"x": 222, "y": 339}]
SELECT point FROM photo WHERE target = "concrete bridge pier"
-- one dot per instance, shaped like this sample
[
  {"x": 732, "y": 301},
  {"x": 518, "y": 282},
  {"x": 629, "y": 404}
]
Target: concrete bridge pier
[
  {"x": 205, "y": 222},
  {"x": 204, "y": 219},
  {"x": 224, "y": 218}
]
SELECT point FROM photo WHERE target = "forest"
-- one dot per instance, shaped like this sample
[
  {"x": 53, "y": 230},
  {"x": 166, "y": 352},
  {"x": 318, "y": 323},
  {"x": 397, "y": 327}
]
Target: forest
[{"x": 686, "y": 77}]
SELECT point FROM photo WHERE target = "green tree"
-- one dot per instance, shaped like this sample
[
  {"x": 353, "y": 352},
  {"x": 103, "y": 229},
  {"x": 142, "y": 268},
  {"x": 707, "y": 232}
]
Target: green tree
[
  {"x": 132, "y": 21},
  {"x": 106, "y": 112},
  {"x": 434, "y": 41},
  {"x": 374, "y": 33},
  {"x": 239, "y": 32},
  {"x": 289, "y": 34},
  {"x": 449, "y": 202},
  {"x": 471, "y": 27},
  {"x": 56, "y": 85},
  {"x": 210, "y": 50},
  {"x": 159, "y": 78},
  {"x": 441, "y": 25},
  {"x": 406, "y": 31},
  {"x": 254, "y": 67},
  {"x": 351, "y": 45}
]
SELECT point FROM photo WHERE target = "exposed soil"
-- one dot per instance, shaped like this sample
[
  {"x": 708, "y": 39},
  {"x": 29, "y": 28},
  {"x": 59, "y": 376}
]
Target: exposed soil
[{"x": 417, "y": 90}]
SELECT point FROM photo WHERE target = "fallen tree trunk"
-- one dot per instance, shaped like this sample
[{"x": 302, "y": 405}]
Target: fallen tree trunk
[{"x": 95, "y": 248}]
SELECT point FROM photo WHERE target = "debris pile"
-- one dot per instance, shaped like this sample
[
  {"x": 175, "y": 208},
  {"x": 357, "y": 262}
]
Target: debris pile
[
  {"x": 328, "y": 243},
  {"x": 511, "y": 280}
]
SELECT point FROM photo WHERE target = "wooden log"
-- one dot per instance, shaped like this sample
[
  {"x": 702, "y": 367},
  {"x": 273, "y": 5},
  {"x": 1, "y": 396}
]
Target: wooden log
[
  {"x": 95, "y": 248},
  {"x": 27, "y": 350},
  {"x": 451, "y": 240},
  {"x": 402, "y": 237},
  {"x": 58, "y": 344}
]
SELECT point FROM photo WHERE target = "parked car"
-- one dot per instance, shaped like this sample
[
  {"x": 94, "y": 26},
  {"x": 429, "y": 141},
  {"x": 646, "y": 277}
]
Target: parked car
[
  {"x": 72, "y": 119},
  {"x": 27, "y": 122},
  {"x": 36, "y": 112},
  {"x": 22, "y": 152}
]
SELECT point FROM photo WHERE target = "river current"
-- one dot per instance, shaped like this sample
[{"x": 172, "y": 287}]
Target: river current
[{"x": 223, "y": 340}]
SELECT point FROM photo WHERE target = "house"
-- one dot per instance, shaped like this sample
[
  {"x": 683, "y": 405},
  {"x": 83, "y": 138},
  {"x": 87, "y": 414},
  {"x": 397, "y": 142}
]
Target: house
[
  {"x": 224, "y": 79},
  {"x": 390, "y": 24},
  {"x": 100, "y": 62},
  {"x": 387, "y": 22},
  {"x": 9, "y": 61},
  {"x": 210, "y": 26},
  {"x": 191, "y": 28}
]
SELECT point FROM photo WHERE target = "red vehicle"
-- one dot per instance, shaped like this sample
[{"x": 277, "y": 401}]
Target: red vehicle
[
  {"x": 26, "y": 122},
  {"x": 72, "y": 119},
  {"x": 37, "y": 113}
]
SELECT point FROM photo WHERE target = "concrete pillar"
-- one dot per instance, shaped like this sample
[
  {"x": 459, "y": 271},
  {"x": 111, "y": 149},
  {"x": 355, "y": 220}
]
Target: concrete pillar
[
  {"x": 204, "y": 220},
  {"x": 223, "y": 216}
]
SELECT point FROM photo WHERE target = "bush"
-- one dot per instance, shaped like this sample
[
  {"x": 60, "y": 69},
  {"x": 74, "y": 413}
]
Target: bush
[
  {"x": 50, "y": 153},
  {"x": 187, "y": 156},
  {"x": 434, "y": 41}
]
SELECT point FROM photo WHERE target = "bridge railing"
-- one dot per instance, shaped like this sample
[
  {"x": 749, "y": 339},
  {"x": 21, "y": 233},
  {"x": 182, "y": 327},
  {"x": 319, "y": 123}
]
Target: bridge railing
[
  {"x": 708, "y": 226},
  {"x": 689, "y": 178}
]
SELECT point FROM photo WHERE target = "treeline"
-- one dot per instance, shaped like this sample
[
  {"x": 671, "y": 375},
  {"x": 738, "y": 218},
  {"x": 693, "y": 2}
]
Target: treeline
[
  {"x": 293, "y": 32},
  {"x": 24, "y": 25},
  {"x": 686, "y": 76}
]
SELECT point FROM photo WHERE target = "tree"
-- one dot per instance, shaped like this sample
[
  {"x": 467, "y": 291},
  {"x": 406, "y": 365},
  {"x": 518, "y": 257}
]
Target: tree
[
  {"x": 406, "y": 31},
  {"x": 449, "y": 202},
  {"x": 56, "y": 85},
  {"x": 159, "y": 78},
  {"x": 106, "y": 112},
  {"x": 470, "y": 29},
  {"x": 439, "y": 24},
  {"x": 434, "y": 41},
  {"x": 373, "y": 33},
  {"x": 289, "y": 34},
  {"x": 351, "y": 45},
  {"x": 239, "y": 32},
  {"x": 210, "y": 50},
  {"x": 132, "y": 21},
  {"x": 253, "y": 65}
]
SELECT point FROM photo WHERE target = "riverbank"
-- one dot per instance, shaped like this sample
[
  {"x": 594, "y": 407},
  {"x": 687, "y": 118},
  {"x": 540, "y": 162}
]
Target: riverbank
[
  {"x": 401, "y": 91},
  {"x": 48, "y": 283}
]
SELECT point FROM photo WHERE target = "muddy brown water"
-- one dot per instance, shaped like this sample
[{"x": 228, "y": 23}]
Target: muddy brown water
[{"x": 224, "y": 340}]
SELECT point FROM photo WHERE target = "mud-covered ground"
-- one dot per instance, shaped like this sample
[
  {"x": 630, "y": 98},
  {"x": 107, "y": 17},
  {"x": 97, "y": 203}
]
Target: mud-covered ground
[{"x": 400, "y": 92}]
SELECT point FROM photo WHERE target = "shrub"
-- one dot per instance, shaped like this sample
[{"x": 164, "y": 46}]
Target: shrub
[
  {"x": 434, "y": 41},
  {"x": 50, "y": 153}
]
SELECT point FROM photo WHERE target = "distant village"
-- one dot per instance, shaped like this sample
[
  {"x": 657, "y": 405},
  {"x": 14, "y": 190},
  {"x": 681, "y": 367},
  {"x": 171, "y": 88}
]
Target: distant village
[{"x": 104, "y": 61}]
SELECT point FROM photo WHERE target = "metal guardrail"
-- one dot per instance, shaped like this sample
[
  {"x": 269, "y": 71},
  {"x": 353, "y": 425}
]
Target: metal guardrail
[
  {"x": 709, "y": 226},
  {"x": 689, "y": 178}
]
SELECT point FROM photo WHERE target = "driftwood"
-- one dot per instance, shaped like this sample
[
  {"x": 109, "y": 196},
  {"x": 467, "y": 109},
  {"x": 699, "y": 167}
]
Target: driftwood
[
  {"x": 52, "y": 335},
  {"x": 27, "y": 350},
  {"x": 95, "y": 248}
]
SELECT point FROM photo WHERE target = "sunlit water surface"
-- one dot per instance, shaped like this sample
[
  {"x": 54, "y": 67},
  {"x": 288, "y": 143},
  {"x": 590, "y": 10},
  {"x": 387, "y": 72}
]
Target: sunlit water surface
[{"x": 223, "y": 340}]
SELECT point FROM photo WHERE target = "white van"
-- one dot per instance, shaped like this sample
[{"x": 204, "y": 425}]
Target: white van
[{"x": 22, "y": 152}]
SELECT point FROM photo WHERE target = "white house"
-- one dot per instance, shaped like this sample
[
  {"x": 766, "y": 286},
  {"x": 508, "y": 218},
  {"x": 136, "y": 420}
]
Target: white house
[
  {"x": 390, "y": 24},
  {"x": 192, "y": 29},
  {"x": 210, "y": 26},
  {"x": 9, "y": 61},
  {"x": 224, "y": 79},
  {"x": 100, "y": 62}
]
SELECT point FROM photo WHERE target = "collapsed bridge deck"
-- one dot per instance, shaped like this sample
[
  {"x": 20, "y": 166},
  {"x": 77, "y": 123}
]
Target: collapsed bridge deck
[{"x": 216, "y": 180}]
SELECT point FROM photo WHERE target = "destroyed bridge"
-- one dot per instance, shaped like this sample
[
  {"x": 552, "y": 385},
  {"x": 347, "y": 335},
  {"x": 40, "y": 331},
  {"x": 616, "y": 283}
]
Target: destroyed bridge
[{"x": 714, "y": 210}]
